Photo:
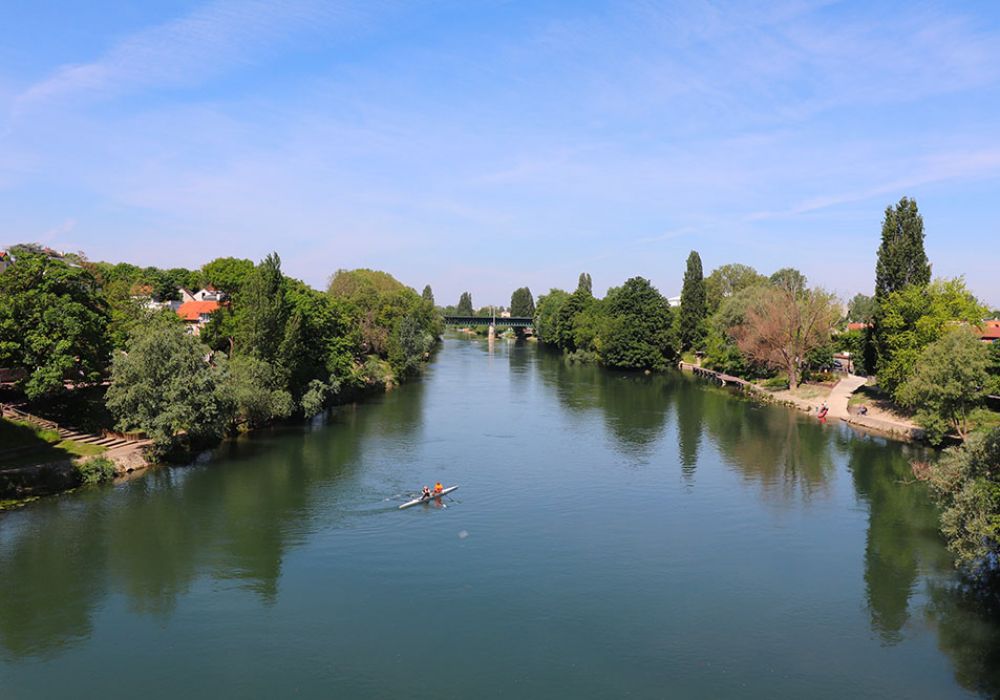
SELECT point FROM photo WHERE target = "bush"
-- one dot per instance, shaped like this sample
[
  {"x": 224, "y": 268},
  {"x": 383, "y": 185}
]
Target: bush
[
  {"x": 97, "y": 470},
  {"x": 775, "y": 383}
]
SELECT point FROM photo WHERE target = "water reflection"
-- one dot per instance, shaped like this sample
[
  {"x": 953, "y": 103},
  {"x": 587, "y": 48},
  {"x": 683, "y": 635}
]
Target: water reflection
[
  {"x": 635, "y": 407},
  {"x": 152, "y": 538}
]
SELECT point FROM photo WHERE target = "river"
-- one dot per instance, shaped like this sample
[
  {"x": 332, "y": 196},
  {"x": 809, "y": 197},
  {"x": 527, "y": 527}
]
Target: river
[{"x": 615, "y": 535}]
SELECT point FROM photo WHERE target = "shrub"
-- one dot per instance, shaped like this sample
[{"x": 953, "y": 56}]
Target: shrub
[
  {"x": 779, "y": 383},
  {"x": 97, "y": 470}
]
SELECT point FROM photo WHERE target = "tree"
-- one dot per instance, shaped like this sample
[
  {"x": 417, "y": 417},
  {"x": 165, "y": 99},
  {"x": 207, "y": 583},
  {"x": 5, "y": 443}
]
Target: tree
[
  {"x": 53, "y": 323},
  {"x": 789, "y": 279},
  {"x": 693, "y": 308},
  {"x": 901, "y": 258},
  {"x": 860, "y": 309},
  {"x": 257, "y": 391},
  {"x": 782, "y": 327},
  {"x": 727, "y": 280},
  {"x": 913, "y": 318},
  {"x": 227, "y": 274},
  {"x": 902, "y": 262},
  {"x": 949, "y": 382},
  {"x": 428, "y": 295},
  {"x": 164, "y": 386},
  {"x": 547, "y": 315},
  {"x": 577, "y": 302},
  {"x": 966, "y": 481},
  {"x": 464, "y": 307},
  {"x": 522, "y": 304},
  {"x": 261, "y": 312},
  {"x": 585, "y": 284},
  {"x": 639, "y": 327}
]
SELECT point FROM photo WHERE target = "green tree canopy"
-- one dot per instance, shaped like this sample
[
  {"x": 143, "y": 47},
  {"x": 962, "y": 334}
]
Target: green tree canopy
[
  {"x": 949, "y": 381},
  {"x": 693, "y": 305},
  {"x": 522, "y": 304},
  {"x": 639, "y": 332},
  {"x": 860, "y": 308},
  {"x": 464, "y": 307},
  {"x": 913, "y": 318},
  {"x": 547, "y": 315},
  {"x": 585, "y": 284},
  {"x": 902, "y": 261},
  {"x": 165, "y": 387},
  {"x": 789, "y": 279},
  {"x": 227, "y": 274},
  {"x": 967, "y": 482},
  {"x": 428, "y": 295},
  {"x": 53, "y": 323},
  {"x": 727, "y": 280}
]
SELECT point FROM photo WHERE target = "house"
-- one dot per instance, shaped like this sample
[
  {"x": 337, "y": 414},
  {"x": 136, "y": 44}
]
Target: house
[
  {"x": 209, "y": 293},
  {"x": 674, "y": 301},
  {"x": 989, "y": 331},
  {"x": 196, "y": 314},
  {"x": 6, "y": 259},
  {"x": 855, "y": 326}
]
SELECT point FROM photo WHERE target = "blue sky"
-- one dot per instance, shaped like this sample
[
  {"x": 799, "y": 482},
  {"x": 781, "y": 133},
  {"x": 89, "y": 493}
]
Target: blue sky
[{"x": 489, "y": 145}]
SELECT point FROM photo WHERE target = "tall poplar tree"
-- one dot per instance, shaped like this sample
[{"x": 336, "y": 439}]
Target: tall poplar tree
[
  {"x": 693, "y": 304},
  {"x": 428, "y": 294},
  {"x": 902, "y": 262},
  {"x": 464, "y": 307},
  {"x": 585, "y": 284},
  {"x": 522, "y": 304}
]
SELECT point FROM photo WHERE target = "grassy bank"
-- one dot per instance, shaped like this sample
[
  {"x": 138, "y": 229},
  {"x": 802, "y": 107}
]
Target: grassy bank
[{"x": 25, "y": 444}]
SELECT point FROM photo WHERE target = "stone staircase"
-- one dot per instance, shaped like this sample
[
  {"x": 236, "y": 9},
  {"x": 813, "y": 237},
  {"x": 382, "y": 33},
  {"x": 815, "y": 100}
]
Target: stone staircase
[{"x": 107, "y": 440}]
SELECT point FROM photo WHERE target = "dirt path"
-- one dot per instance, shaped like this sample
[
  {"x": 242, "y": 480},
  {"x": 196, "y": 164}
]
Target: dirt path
[{"x": 841, "y": 395}]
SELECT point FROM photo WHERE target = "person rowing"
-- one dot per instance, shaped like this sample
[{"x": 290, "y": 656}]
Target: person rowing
[
  {"x": 438, "y": 488},
  {"x": 425, "y": 495}
]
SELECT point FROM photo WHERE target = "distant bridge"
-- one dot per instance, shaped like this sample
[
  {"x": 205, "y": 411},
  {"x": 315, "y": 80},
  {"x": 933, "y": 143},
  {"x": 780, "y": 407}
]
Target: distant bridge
[{"x": 499, "y": 322}]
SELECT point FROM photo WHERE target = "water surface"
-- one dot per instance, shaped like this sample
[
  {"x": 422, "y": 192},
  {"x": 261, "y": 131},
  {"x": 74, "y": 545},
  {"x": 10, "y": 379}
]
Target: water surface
[{"x": 614, "y": 535}]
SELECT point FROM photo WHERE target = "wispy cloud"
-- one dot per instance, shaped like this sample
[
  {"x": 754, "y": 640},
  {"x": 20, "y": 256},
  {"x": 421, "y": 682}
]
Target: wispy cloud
[{"x": 208, "y": 42}]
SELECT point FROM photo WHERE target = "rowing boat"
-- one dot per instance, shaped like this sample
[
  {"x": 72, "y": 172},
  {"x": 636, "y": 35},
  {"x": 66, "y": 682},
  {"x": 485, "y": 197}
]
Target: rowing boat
[{"x": 418, "y": 501}]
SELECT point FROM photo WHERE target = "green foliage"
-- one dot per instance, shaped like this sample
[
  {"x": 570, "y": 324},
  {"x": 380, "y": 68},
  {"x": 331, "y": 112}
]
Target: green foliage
[
  {"x": 789, "y": 279},
  {"x": 585, "y": 285},
  {"x": 522, "y": 304},
  {"x": 464, "y": 307},
  {"x": 547, "y": 315},
  {"x": 994, "y": 367},
  {"x": 728, "y": 280},
  {"x": 227, "y": 274},
  {"x": 577, "y": 303},
  {"x": 912, "y": 319},
  {"x": 257, "y": 392},
  {"x": 948, "y": 382},
  {"x": 693, "y": 305},
  {"x": 854, "y": 343},
  {"x": 428, "y": 295},
  {"x": 389, "y": 319},
  {"x": 639, "y": 331},
  {"x": 98, "y": 470},
  {"x": 53, "y": 323},
  {"x": 860, "y": 309},
  {"x": 165, "y": 387},
  {"x": 261, "y": 311},
  {"x": 902, "y": 261},
  {"x": 779, "y": 383},
  {"x": 967, "y": 482}
]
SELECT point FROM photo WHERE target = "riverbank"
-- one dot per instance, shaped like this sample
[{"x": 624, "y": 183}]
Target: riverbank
[{"x": 809, "y": 398}]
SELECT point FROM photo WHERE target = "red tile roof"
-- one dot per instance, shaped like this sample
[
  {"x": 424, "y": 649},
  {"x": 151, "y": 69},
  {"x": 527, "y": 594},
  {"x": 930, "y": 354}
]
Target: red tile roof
[
  {"x": 192, "y": 310},
  {"x": 857, "y": 326},
  {"x": 989, "y": 330}
]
